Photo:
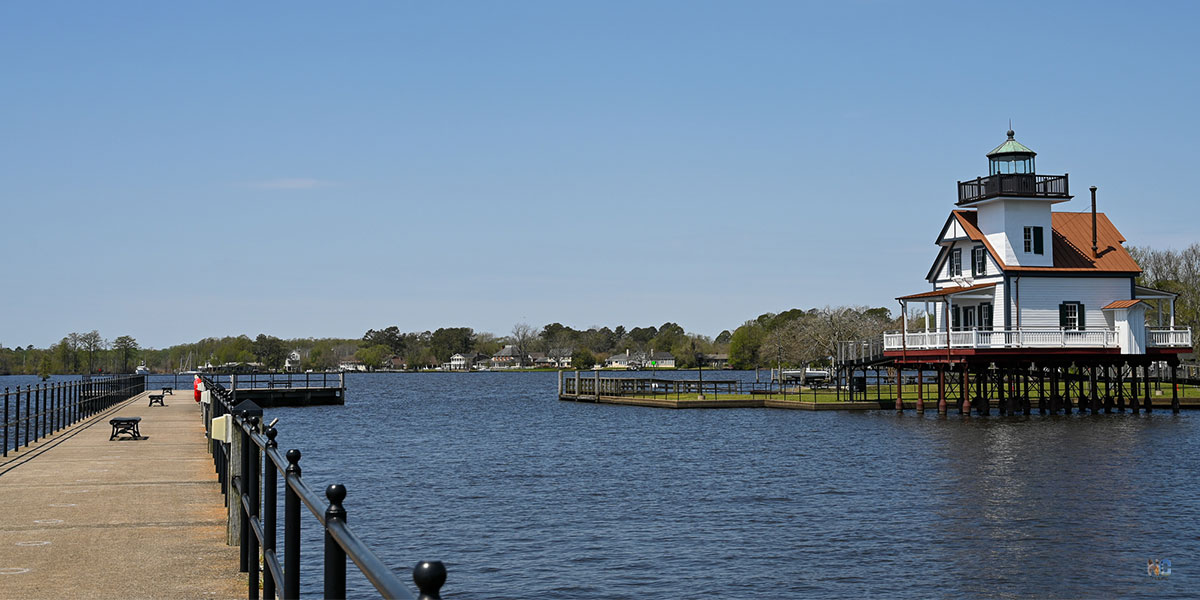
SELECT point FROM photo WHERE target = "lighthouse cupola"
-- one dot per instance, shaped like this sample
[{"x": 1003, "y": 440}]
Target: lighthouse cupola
[{"x": 1011, "y": 158}]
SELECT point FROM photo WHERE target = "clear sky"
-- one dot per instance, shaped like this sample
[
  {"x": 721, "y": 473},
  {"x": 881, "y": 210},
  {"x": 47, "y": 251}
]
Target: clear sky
[{"x": 180, "y": 170}]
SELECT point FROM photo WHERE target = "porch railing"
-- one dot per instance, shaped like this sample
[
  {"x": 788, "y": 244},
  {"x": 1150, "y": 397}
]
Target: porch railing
[
  {"x": 1003, "y": 338},
  {"x": 1169, "y": 337}
]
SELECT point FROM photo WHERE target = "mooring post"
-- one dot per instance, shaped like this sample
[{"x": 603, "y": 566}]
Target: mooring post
[
  {"x": 920, "y": 391},
  {"x": 233, "y": 532},
  {"x": 560, "y": 383},
  {"x": 597, "y": 390}
]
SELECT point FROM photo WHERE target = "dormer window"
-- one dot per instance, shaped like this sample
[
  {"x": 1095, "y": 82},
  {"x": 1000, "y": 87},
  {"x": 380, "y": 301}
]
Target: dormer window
[
  {"x": 1033, "y": 240},
  {"x": 978, "y": 261},
  {"x": 956, "y": 262}
]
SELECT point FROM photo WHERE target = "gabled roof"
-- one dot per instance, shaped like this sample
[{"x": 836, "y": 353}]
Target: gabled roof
[
  {"x": 1071, "y": 244},
  {"x": 950, "y": 291}
]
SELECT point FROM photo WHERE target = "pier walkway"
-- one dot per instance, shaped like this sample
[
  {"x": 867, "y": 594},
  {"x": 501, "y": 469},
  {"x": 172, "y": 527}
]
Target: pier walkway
[{"x": 85, "y": 517}]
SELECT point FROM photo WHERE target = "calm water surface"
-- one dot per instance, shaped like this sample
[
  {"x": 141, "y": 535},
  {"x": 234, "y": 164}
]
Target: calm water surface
[{"x": 525, "y": 496}]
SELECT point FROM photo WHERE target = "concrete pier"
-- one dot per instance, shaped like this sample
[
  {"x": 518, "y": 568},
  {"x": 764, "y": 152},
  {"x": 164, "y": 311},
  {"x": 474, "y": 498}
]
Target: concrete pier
[{"x": 86, "y": 517}]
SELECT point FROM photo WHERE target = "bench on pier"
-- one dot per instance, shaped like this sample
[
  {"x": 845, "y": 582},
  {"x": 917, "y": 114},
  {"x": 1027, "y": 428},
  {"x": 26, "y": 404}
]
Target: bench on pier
[
  {"x": 126, "y": 425},
  {"x": 156, "y": 399},
  {"x": 168, "y": 390}
]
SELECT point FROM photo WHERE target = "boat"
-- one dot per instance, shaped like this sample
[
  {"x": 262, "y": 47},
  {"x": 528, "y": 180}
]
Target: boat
[{"x": 141, "y": 369}]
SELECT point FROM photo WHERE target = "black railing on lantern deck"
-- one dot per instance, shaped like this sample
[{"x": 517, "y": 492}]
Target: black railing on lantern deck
[
  {"x": 51, "y": 407},
  {"x": 252, "y": 446},
  {"x": 1013, "y": 184}
]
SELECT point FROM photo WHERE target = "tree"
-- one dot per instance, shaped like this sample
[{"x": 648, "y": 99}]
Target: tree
[
  {"x": 724, "y": 337},
  {"x": 373, "y": 356},
  {"x": 126, "y": 348},
  {"x": 390, "y": 337},
  {"x": 269, "y": 350},
  {"x": 448, "y": 341},
  {"x": 583, "y": 359},
  {"x": 91, "y": 343},
  {"x": 744, "y": 345},
  {"x": 522, "y": 339}
]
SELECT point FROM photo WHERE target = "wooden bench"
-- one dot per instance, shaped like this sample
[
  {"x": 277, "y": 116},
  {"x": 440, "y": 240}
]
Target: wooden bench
[
  {"x": 168, "y": 390},
  {"x": 156, "y": 399},
  {"x": 127, "y": 425}
]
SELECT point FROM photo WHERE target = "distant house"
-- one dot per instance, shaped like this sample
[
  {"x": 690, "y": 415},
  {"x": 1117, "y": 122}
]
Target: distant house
[
  {"x": 461, "y": 362},
  {"x": 508, "y": 357},
  {"x": 716, "y": 361},
  {"x": 641, "y": 360},
  {"x": 560, "y": 357},
  {"x": 397, "y": 362},
  {"x": 292, "y": 363},
  {"x": 351, "y": 364}
]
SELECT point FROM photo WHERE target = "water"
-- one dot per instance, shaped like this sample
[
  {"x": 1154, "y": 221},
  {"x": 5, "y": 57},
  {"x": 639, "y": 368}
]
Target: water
[{"x": 525, "y": 496}]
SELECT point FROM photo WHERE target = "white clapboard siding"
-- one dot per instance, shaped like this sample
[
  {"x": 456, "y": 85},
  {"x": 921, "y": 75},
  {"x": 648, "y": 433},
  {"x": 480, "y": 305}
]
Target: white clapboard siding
[{"x": 1040, "y": 298}]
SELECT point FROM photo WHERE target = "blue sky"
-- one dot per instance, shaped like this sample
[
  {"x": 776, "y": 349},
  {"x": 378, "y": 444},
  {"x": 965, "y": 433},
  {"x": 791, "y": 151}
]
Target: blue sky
[{"x": 174, "y": 171}]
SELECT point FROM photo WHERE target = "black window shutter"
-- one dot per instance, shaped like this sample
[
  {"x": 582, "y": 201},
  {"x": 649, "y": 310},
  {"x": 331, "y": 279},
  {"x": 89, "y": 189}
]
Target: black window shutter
[
  {"x": 1037, "y": 240},
  {"x": 1079, "y": 310},
  {"x": 1062, "y": 314}
]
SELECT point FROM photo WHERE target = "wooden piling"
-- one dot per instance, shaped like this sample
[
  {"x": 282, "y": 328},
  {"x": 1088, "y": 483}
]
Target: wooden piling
[
  {"x": 964, "y": 406},
  {"x": 1175, "y": 389},
  {"x": 899, "y": 388},
  {"x": 920, "y": 391},
  {"x": 941, "y": 390}
]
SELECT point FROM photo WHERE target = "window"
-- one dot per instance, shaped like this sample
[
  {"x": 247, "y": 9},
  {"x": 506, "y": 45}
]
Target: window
[
  {"x": 1071, "y": 315},
  {"x": 978, "y": 261},
  {"x": 1033, "y": 240},
  {"x": 956, "y": 262},
  {"x": 968, "y": 318},
  {"x": 955, "y": 318},
  {"x": 985, "y": 315}
]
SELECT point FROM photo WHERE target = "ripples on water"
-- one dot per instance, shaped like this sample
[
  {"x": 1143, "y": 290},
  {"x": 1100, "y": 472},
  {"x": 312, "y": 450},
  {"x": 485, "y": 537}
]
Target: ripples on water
[{"x": 524, "y": 496}]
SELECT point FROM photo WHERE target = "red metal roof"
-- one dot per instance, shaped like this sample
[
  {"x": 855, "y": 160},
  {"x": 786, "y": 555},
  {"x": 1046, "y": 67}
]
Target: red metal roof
[
  {"x": 947, "y": 291},
  {"x": 1121, "y": 304},
  {"x": 1071, "y": 244}
]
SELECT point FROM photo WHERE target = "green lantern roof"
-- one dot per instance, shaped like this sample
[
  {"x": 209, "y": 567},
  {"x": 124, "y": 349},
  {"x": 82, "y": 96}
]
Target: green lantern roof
[{"x": 1011, "y": 146}]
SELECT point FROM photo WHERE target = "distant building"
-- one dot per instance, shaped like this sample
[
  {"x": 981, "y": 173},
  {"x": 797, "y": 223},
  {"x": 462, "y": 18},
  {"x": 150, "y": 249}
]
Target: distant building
[
  {"x": 641, "y": 360},
  {"x": 461, "y": 362},
  {"x": 716, "y": 361},
  {"x": 292, "y": 363},
  {"x": 508, "y": 357},
  {"x": 351, "y": 364}
]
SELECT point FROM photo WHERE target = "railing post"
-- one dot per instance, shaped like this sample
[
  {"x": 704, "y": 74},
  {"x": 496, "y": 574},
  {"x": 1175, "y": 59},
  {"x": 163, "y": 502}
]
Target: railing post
[
  {"x": 255, "y": 463},
  {"x": 6, "y": 421},
  {"x": 429, "y": 577},
  {"x": 269, "y": 508},
  {"x": 242, "y": 488},
  {"x": 335, "y": 556},
  {"x": 291, "y": 528}
]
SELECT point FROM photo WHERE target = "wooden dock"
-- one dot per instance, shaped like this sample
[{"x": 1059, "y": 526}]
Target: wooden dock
[
  {"x": 273, "y": 390},
  {"x": 86, "y": 517}
]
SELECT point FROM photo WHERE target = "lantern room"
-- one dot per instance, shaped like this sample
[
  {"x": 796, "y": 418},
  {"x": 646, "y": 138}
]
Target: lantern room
[{"x": 1011, "y": 158}]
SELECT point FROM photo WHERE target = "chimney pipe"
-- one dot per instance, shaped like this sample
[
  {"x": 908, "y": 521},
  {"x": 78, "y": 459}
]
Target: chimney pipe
[{"x": 1095, "y": 249}]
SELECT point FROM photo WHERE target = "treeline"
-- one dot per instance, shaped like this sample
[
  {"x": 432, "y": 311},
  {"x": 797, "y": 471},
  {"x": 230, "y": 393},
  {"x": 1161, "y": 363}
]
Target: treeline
[
  {"x": 76, "y": 353},
  {"x": 585, "y": 347},
  {"x": 798, "y": 338},
  {"x": 1176, "y": 271}
]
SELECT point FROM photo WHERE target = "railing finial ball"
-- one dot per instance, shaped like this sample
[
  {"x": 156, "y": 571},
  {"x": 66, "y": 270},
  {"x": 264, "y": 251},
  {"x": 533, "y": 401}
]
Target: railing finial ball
[
  {"x": 429, "y": 576},
  {"x": 293, "y": 456},
  {"x": 336, "y": 494},
  {"x": 271, "y": 433}
]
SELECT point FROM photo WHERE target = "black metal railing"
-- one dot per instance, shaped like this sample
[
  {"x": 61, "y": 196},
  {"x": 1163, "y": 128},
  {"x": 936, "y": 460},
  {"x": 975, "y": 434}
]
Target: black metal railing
[
  {"x": 256, "y": 495},
  {"x": 1013, "y": 184},
  {"x": 51, "y": 407}
]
